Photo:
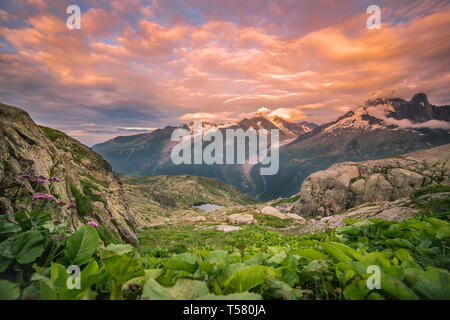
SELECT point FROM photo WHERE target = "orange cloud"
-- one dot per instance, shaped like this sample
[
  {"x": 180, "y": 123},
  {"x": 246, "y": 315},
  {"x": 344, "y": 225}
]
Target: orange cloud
[{"x": 220, "y": 68}]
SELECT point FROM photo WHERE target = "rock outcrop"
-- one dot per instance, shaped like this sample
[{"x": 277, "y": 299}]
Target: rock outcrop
[
  {"x": 398, "y": 210},
  {"x": 26, "y": 148},
  {"x": 349, "y": 184}
]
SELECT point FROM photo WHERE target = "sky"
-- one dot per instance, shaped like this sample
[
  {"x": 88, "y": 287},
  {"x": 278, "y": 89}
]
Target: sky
[{"x": 137, "y": 65}]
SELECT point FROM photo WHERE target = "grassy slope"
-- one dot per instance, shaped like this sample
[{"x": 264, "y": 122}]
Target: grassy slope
[{"x": 181, "y": 192}]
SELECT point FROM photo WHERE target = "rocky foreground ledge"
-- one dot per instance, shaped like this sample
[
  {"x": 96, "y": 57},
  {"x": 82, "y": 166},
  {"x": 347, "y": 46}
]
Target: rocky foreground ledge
[{"x": 350, "y": 184}]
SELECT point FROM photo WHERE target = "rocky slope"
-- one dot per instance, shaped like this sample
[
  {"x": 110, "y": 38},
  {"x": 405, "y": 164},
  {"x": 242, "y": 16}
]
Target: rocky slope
[
  {"x": 159, "y": 194},
  {"x": 349, "y": 184},
  {"x": 86, "y": 179},
  {"x": 398, "y": 210}
]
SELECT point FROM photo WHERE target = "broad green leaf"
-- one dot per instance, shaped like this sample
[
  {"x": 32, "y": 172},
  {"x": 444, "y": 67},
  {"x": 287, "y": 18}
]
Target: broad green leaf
[
  {"x": 347, "y": 250},
  {"x": 290, "y": 262},
  {"x": 7, "y": 227},
  {"x": 249, "y": 278},
  {"x": 47, "y": 290},
  {"x": 25, "y": 247},
  {"x": 335, "y": 252},
  {"x": 443, "y": 232},
  {"x": 436, "y": 223},
  {"x": 183, "y": 261},
  {"x": 116, "y": 250},
  {"x": 217, "y": 257},
  {"x": 81, "y": 245},
  {"x": 149, "y": 274},
  {"x": 288, "y": 276},
  {"x": 397, "y": 242},
  {"x": 255, "y": 260},
  {"x": 377, "y": 258},
  {"x": 348, "y": 230},
  {"x": 397, "y": 288},
  {"x": 357, "y": 290},
  {"x": 124, "y": 267},
  {"x": 9, "y": 290},
  {"x": 344, "y": 275},
  {"x": 433, "y": 283},
  {"x": 59, "y": 276},
  {"x": 280, "y": 290},
  {"x": 375, "y": 296},
  {"x": 403, "y": 255},
  {"x": 184, "y": 289},
  {"x": 311, "y": 254},
  {"x": 4, "y": 263},
  {"x": 316, "y": 266},
  {"x": 278, "y": 258}
]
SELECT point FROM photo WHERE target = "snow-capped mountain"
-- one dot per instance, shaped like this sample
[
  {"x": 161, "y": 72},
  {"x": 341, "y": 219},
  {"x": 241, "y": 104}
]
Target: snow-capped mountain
[
  {"x": 378, "y": 128},
  {"x": 148, "y": 153},
  {"x": 393, "y": 114}
]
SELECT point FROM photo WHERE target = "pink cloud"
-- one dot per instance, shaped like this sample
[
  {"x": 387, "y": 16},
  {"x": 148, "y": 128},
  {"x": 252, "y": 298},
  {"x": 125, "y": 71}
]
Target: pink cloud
[{"x": 233, "y": 62}]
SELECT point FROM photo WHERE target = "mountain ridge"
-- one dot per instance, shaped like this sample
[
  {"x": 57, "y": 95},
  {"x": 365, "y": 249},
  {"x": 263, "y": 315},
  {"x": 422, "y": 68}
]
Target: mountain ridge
[{"x": 378, "y": 128}]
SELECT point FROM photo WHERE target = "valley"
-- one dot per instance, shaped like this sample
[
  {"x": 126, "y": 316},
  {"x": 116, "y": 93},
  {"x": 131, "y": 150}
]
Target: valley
[
  {"x": 376, "y": 129},
  {"x": 63, "y": 203}
]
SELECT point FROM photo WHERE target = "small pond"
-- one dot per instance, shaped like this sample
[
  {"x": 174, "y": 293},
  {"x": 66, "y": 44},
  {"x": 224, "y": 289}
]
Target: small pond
[{"x": 207, "y": 207}]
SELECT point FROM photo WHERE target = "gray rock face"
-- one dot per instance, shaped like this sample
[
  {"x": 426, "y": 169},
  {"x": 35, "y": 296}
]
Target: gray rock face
[
  {"x": 238, "y": 218},
  {"x": 349, "y": 184},
  {"x": 398, "y": 210},
  {"x": 26, "y": 148},
  {"x": 271, "y": 211}
]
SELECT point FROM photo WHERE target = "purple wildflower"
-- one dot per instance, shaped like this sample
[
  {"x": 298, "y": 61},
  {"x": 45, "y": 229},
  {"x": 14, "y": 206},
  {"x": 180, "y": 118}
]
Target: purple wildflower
[
  {"x": 71, "y": 206},
  {"x": 39, "y": 180},
  {"x": 92, "y": 223},
  {"x": 54, "y": 179},
  {"x": 24, "y": 176},
  {"x": 57, "y": 222},
  {"x": 50, "y": 197},
  {"x": 39, "y": 196},
  {"x": 33, "y": 203},
  {"x": 60, "y": 203},
  {"x": 42, "y": 177}
]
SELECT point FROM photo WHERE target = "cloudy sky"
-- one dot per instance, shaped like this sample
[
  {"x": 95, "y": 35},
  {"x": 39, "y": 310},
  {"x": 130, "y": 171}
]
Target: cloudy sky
[{"x": 137, "y": 65}]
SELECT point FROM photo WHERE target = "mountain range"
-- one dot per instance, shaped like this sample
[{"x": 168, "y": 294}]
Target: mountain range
[{"x": 378, "y": 128}]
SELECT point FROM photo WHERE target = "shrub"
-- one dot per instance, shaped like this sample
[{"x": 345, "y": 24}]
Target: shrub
[
  {"x": 430, "y": 189},
  {"x": 84, "y": 204}
]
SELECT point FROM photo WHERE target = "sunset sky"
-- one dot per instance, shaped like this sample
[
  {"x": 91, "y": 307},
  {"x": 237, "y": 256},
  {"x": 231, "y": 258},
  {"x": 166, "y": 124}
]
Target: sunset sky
[{"x": 137, "y": 65}]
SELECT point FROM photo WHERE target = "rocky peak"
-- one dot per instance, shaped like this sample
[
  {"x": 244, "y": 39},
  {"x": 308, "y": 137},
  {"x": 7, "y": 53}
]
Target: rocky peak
[{"x": 420, "y": 99}]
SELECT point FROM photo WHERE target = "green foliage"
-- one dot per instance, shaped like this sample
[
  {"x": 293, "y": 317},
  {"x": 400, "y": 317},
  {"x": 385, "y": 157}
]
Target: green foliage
[
  {"x": 286, "y": 200},
  {"x": 107, "y": 236},
  {"x": 9, "y": 290},
  {"x": 81, "y": 245},
  {"x": 270, "y": 221},
  {"x": 84, "y": 204},
  {"x": 184, "y": 289},
  {"x": 430, "y": 189},
  {"x": 87, "y": 188},
  {"x": 252, "y": 263}
]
